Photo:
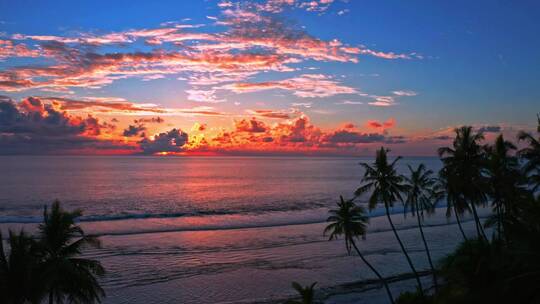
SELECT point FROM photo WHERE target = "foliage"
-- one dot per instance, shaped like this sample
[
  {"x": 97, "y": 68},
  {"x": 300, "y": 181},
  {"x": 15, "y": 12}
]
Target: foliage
[
  {"x": 49, "y": 266},
  {"x": 307, "y": 294},
  {"x": 505, "y": 269},
  {"x": 386, "y": 187}
]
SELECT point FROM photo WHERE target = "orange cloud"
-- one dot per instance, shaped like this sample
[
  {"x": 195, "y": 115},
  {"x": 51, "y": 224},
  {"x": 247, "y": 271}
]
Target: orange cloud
[
  {"x": 45, "y": 126},
  {"x": 374, "y": 124},
  {"x": 251, "y": 126}
]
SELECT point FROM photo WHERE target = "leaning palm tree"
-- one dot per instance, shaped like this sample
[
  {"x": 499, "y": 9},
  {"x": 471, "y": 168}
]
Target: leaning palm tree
[
  {"x": 531, "y": 154},
  {"x": 422, "y": 193},
  {"x": 69, "y": 277},
  {"x": 386, "y": 186},
  {"x": 463, "y": 165},
  {"x": 307, "y": 294},
  {"x": 350, "y": 221},
  {"x": 19, "y": 270}
]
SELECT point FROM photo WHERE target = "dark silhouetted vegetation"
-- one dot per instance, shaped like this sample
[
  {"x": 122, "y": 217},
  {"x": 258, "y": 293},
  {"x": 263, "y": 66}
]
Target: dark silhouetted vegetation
[
  {"x": 386, "y": 187},
  {"x": 307, "y": 294},
  {"x": 350, "y": 221},
  {"x": 502, "y": 268},
  {"x": 48, "y": 266}
]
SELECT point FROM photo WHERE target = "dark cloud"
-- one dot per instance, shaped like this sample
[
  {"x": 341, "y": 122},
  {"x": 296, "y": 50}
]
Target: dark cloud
[
  {"x": 348, "y": 136},
  {"x": 149, "y": 120},
  {"x": 32, "y": 117},
  {"x": 489, "y": 129},
  {"x": 33, "y": 127},
  {"x": 134, "y": 130},
  {"x": 171, "y": 141}
]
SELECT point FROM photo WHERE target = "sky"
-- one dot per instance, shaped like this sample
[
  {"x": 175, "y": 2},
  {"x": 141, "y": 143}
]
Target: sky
[{"x": 268, "y": 77}]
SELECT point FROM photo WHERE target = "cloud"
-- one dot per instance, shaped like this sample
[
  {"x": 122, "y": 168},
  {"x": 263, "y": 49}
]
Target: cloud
[
  {"x": 10, "y": 49},
  {"x": 103, "y": 105},
  {"x": 349, "y": 102},
  {"x": 374, "y": 124},
  {"x": 490, "y": 129},
  {"x": 382, "y": 101},
  {"x": 166, "y": 142},
  {"x": 203, "y": 96},
  {"x": 306, "y": 85},
  {"x": 119, "y": 106},
  {"x": 34, "y": 127},
  {"x": 134, "y": 130},
  {"x": 405, "y": 93},
  {"x": 383, "y": 55},
  {"x": 199, "y": 127},
  {"x": 252, "y": 39},
  {"x": 252, "y": 126},
  {"x": 348, "y": 136},
  {"x": 302, "y": 104},
  {"x": 149, "y": 120},
  {"x": 272, "y": 113}
]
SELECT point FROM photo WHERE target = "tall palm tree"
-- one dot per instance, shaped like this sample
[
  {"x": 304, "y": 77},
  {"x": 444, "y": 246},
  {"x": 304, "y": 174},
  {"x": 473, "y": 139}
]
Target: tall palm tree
[
  {"x": 350, "y": 221},
  {"x": 505, "y": 181},
  {"x": 69, "y": 277},
  {"x": 463, "y": 165},
  {"x": 422, "y": 193},
  {"x": 307, "y": 294},
  {"x": 531, "y": 154},
  {"x": 454, "y": 201},
  {"x": 18, "y": 270},
  {"x": 386, "y": 186}
]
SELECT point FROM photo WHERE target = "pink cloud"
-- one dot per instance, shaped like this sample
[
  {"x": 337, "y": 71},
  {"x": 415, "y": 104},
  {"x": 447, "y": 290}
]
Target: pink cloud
[
  {"x": 306, "y": 85},
  {"x": 374, "y": 124}
]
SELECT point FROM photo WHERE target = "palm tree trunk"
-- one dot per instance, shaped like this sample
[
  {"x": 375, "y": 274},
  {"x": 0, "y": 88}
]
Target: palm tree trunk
[
  {"x": 499, "y": 222},
  {"x": 51, "y": 297},
  {"x": 383, "y": 281},
  {"x": 479, "y": 229},
  {"x": 459, "y": 224},
  {"x": 403, "y": 249},
  {"x": 427, "y": 250}
]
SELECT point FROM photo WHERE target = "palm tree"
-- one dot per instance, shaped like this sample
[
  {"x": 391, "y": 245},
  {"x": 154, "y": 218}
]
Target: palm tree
[
  {"x": 18, "y": 270},
  {"x": 306, "y": 294},
  {"x": 505, "y": 181},
  {"x": 455, "y": 202},
  {"x": 463, "y": 165},
  {"x": 386, "y": 186},
  {"x": 532, "y": 156},
  {"x": 422, "y": 193},
  {"x": 351, "y": 221},
  {"x": 68, "y": 276}
]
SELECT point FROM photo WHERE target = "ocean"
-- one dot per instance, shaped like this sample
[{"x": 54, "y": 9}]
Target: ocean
[{"x": 217, "y": 229}]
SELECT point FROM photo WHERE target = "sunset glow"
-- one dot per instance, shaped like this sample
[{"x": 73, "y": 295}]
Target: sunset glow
[{"x": 257, "y": 78}]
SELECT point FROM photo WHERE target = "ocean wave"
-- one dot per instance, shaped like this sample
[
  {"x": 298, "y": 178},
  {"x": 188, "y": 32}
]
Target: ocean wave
[
  {"x": 21, "y": 219},
  {"x": 131, "y": 224}
]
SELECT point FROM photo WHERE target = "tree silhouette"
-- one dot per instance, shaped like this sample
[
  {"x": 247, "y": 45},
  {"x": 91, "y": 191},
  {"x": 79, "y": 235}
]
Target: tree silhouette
[
  {"x": 69, "y": 277},
  {"x": 350, "y": 221},
  {"x": 463, "y": 165},
  {"x": 422, "y": 193},
  {"x": 306, "y": 294}
]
